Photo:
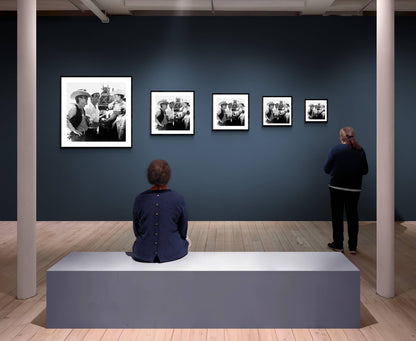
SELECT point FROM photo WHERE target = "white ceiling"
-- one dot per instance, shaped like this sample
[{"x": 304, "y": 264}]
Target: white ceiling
[{"x": 302, "y": 7}]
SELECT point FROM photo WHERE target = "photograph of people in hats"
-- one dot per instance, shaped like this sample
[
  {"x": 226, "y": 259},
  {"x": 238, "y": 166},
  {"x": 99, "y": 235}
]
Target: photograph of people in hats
[
  {"x": 172, "y": 112},
  {"x": 316, "y": 110},
  {"x": 95, "y": 111},
  {"x": 229, "y": 111},
  {"x": 277, "y": 111}
]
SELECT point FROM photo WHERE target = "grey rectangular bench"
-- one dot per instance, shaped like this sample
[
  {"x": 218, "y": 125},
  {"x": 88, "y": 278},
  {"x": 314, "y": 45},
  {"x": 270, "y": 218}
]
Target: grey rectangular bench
[{"x": 204, "y": 290}]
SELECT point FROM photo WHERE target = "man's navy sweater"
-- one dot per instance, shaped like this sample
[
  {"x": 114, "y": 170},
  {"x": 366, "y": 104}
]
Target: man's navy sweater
[{"x": 346, "y": 166}]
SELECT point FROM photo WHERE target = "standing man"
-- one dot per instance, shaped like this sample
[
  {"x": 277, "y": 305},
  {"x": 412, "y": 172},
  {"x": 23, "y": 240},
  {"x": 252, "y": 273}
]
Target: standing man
[
  {"x": 269, "y": 112},
  {"x": 160, "y": 116},
  {"x": 114, "y": 125},
  {"x": 241, "y": 114},
  {"x": 170, "y": 115},
  {"x": 221, "y": 113},
  {"x": 229, "y": 114},
  {"x": 76, "y": 120},
  {"x": 178, "y": 123},
  {"x": 186, "y": 116},
  {"x": 320, "y": 111},
  {"x": 119, "y": 109},
  {"x": 312, "y": 112},
  {"x": 92, "y": 114},
  {"x": 281, "y": 110}
]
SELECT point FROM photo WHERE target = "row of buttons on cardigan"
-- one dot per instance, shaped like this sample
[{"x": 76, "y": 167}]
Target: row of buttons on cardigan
[{"x": 156, "y": 225}]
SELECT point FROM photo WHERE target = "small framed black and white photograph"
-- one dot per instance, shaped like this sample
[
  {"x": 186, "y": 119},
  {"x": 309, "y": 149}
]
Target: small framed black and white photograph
[
  {"x": 96, "y": 112},
  {"x": 277, "y": 111},
  {"x": 230, "y": 111},
  {"x": 172, "y": 112},
  {"x": 316, "y": 110}
]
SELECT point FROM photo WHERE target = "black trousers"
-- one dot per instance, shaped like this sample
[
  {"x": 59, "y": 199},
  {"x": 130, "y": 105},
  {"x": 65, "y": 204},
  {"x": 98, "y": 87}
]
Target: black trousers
[{"x": 349, "y": 200}]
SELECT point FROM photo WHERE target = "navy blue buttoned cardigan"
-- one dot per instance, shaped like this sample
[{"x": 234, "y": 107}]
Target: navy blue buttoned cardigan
[{"x": 160, "y": 224}]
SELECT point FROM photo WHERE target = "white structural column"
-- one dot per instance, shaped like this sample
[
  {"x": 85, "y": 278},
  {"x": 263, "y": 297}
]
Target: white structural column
[
  {"x": 385, "y": 148},
  {"x": 26, "y": 148}
]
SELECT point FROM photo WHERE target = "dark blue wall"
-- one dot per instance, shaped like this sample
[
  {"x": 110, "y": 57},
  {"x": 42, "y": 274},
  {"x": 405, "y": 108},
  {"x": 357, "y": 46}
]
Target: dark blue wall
[
  {"x": 8, "y": 125},
  {"x": 405, "y": 116},
  {"x": 262, "y": 174}
]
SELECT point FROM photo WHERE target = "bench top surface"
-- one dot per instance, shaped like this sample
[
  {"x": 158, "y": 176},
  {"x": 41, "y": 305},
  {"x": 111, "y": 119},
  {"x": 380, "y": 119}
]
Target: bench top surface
[{"x": 209, "y": 261}]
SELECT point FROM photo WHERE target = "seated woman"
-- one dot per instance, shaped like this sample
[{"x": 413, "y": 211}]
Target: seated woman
[{"x": 160, "y": 220}]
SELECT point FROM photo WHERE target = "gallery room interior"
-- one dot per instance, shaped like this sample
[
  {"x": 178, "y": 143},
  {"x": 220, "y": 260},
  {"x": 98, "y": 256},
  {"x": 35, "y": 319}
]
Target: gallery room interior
[{"x": 256, "y": 194}]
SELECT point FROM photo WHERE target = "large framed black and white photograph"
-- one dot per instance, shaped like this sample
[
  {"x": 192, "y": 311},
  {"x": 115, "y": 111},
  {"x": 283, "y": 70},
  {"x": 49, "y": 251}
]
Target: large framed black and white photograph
[
  {"x": 230, "y": 111},
  {"x": 96, "y": 112},
  {"x": 172, "y": 112},
  {"x": 277, "y": 111},
  {"x": 316, "y": 110}
]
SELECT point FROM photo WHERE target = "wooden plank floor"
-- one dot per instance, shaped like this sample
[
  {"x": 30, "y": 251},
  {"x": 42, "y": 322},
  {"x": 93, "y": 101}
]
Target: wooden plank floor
[{"x": 381, "y": 319}]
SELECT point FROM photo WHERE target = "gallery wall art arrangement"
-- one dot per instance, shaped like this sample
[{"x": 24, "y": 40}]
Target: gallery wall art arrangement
[
  {"x": 97, "y": 112},
  {"x": 278, "y": 160}
]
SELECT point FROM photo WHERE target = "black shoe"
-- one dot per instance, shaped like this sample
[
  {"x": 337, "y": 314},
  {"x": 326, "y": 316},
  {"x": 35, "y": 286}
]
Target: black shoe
[
  {"x": 353, "y": 251},
  {"x": 335, "y": 248}
]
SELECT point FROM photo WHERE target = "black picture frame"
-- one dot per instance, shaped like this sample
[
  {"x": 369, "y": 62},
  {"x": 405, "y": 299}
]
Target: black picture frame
[
  {"x": 281, "y": 114},
  {"x": 108, "y": 123},
  {"x": 316, "y": 110},
  {"x": 178, "y": 118},
  {"x": 235, "y": 117}
]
